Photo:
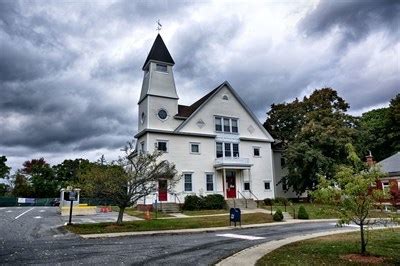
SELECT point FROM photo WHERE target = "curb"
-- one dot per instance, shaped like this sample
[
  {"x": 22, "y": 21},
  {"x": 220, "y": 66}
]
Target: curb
[
  {"x": 251, "y": 255},
  {"x": 200, "y": 230}
]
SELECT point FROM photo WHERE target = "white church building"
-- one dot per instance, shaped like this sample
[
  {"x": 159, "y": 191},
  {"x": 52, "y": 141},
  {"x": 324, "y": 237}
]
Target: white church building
[{"x": 217, "y": 144}]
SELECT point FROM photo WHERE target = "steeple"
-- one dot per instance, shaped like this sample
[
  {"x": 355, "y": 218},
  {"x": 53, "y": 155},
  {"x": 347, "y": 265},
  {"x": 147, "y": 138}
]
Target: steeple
[
  {"x": 158, "y": 102},
  {"x": 159, "y": 53}
]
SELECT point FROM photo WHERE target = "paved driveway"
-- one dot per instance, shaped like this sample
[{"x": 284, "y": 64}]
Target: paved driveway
[{"x": 28, "y": 239}]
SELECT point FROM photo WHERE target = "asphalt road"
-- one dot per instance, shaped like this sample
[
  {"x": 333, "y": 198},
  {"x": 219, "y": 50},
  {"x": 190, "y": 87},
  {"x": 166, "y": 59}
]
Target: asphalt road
[{"x": 29, "y": 239}]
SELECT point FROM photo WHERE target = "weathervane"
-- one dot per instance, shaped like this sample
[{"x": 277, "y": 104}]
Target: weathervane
[{"x": 159, "y": 26}]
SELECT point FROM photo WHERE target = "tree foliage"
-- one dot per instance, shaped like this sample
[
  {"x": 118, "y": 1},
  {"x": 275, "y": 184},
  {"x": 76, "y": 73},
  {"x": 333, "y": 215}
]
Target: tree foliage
[
  {"x": 351, "y": 193},
  {"x": 380, "y": 130},
  {"x": 4, "y": 169},
  {"x": 42, "y": 178},
  {"x": 129, "y": 179},
  {"x": 314, "y": 133}
]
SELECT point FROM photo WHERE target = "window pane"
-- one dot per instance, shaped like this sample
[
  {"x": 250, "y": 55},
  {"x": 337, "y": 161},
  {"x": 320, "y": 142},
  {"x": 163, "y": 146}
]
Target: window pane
[
  {"x": 162, "y": 146},
  {"x": 234, "y": 126},
  {"x": 228, "y": 152},
  {"x": 210, "y": 182},
  {"x": 188, "y": 182},
  {"x": 161, "y": 68},
  {"x": 235, "y": 150},
  {"x": 218, "y": 124},
  {"x": 256, "y": 151},
  {"x": 195, "y": 148},
  {"x": 267, "y": 185},
  {"x": 219, "y": 150},
  {"x": 226, "y": 125},
  {"x": 246, "y": 186}
]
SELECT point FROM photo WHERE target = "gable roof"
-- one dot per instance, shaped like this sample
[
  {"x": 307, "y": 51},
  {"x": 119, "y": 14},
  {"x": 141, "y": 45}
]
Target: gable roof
[
  {"x": 391, "y": 164},
  {"x": 159, "y": 52},
  {"x": 185, "y": 111},
  {"x": 197, "y": 106}
]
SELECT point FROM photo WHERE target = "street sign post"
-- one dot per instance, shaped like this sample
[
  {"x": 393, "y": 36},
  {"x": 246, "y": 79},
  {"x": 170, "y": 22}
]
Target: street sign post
[{"x": 71, "y": 198}]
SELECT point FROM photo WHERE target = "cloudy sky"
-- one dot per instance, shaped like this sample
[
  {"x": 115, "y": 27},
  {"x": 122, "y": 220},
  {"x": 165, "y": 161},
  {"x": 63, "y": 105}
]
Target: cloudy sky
[{"x": 70, "y": 72}]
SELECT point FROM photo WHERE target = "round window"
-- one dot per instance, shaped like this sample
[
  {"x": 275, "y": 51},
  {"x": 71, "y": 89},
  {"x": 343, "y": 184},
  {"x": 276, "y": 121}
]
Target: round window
[
  {"x": 162, "y": 114},
  {"x": 142, "y": 118}
]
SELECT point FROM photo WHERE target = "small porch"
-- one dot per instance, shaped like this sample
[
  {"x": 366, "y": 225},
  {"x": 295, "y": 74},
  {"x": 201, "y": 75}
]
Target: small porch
[{"x": 235, "y": 176}]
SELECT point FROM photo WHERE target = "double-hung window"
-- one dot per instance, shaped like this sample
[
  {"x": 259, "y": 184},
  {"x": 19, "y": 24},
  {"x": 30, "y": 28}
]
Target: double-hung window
[
  {"x": 210, "y": 182},
  {"x": 228, "y": 152},
  {"x": 226, "y": 125},
  {"x": 188, "y": 182},
  {"x": 220, "y": 152}
]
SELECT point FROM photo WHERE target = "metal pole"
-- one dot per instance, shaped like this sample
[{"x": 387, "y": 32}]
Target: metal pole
[{"x": 70, "y": 213}]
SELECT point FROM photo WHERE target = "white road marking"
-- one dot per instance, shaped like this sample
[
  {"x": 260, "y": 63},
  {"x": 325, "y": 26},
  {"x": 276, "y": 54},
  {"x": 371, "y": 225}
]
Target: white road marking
[
  {"x": 9, "y": 211},
  {"x": 346, "y": 225},
  {"x": 23, "y": 213},
  {"x": 42, "y": 210},
  {"x": 241, "y": 236},
  {"x": 37, "y": 217}
]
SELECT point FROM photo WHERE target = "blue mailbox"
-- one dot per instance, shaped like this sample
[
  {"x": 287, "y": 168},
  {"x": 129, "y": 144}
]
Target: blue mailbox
[{"x": 235, "y": 216}]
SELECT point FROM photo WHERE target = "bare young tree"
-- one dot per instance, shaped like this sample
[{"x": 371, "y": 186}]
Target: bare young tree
[{"x": 133, "y": 177}]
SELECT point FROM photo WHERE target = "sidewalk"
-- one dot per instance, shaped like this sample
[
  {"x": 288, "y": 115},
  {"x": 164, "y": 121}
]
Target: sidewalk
[
  {"x": 202, "y": 230},
  {"x": 251, "y": 255}
]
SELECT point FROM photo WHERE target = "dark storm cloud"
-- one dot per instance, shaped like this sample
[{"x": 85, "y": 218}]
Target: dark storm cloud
[
  {"x": 70, "y": 72},
  {"x": 354, "y": 19}
]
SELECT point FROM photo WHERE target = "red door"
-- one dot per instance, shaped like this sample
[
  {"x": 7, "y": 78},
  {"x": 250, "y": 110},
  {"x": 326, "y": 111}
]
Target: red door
[
  {"x": 162, "y": 190},
  {"x": 231, "y": 184}
]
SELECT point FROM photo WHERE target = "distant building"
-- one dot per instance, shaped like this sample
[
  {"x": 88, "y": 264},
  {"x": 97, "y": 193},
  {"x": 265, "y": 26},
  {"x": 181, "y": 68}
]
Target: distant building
[
  {"x": 391, "y": 166},
  {"x": 217, "y": 143}
]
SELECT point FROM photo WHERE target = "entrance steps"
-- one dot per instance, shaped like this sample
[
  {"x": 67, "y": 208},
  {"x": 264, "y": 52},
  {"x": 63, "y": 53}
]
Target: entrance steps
[
  {"x": 168, "y": 207},
  {"x": 241, "y": 203}
]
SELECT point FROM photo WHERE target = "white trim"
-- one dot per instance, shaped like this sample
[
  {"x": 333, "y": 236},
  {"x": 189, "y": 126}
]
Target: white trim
[
  {"x": 166, "y": 144},
  {"x": 191, "y": 181},
  {"x": 226, "y": 83},
  {"x": 259, "y": 151},
  {"x": 270, "y": 187},
  {"x": 159, "y": 118},
  {"x": 190, "y": 148},
  {"x": 213, "y": 180}
]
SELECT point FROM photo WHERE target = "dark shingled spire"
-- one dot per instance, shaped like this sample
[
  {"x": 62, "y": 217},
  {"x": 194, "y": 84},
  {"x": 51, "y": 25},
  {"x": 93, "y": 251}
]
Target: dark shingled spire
[{"x": 159, "y": 52}]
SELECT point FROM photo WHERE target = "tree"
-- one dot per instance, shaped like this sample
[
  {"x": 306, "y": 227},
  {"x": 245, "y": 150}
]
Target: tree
[
  {"x": 67, "y": 172},
  {"x": 21, "y": 185},
  {"x": 4, "y": 189},
  {"x": 4, "y": 169},
  {"x": 39, "y": 173},
  {"x": 314, "y": 132},
  {"x": 350, "y": 193},
  {"x": 380, "y": 130},
  {"x": 129, "y": 179}
]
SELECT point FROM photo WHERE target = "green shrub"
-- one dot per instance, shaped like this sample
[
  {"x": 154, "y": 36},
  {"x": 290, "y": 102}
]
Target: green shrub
[
  {"x": 213, "y": 202},
  {"x": 282, "y": 201},
  {"x": 192, "y": 203},
  {"x": 210, "y": 202},
  {"x": 302, "y": 214},
  {"x": 268, "y": 202},
  {"x": 278, "y": 215}
]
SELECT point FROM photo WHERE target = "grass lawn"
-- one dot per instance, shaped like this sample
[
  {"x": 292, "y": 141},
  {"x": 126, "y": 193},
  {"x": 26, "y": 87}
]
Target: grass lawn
[
  {"x": 383, "y": 248},
  {"x": 167, "y": 224},
  {"x": 324, "y": 211},
  {"x": 140, "y": 214},
  {"x": 205, "y": 212}
]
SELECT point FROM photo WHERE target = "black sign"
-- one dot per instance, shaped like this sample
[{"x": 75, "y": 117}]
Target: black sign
[
  {"x": 235, "y": 216},
  {"x": 72, "y": 196}
]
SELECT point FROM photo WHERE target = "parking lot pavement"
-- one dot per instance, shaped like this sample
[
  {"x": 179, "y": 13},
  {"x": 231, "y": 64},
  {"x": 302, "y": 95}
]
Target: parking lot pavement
[
  {"x": 99, "y": 218},
  {"x": 28, "y": 223}
]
